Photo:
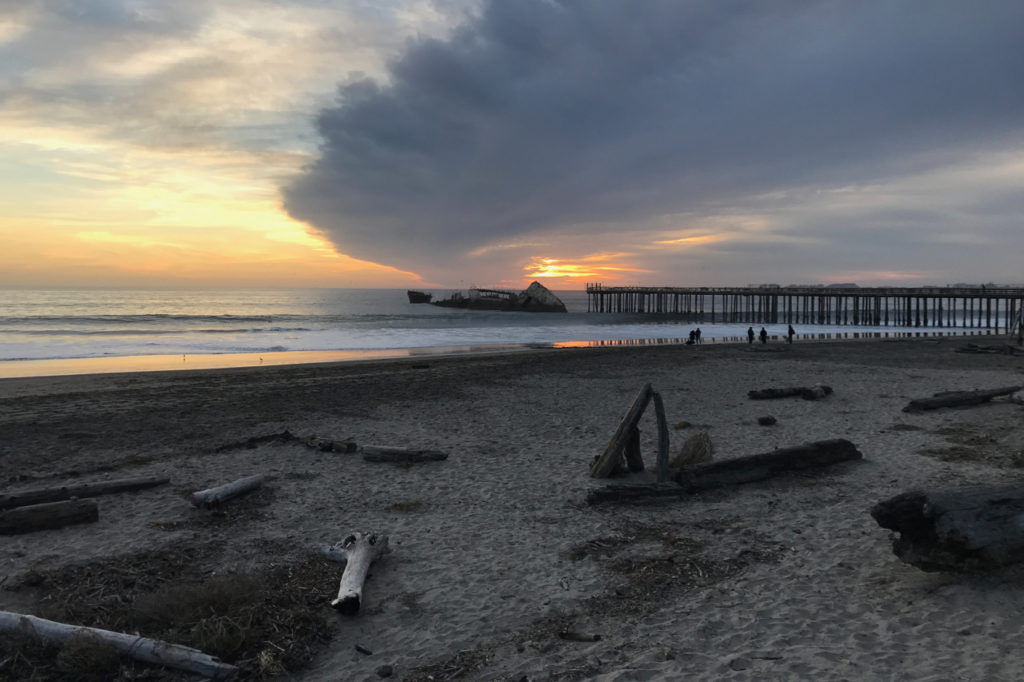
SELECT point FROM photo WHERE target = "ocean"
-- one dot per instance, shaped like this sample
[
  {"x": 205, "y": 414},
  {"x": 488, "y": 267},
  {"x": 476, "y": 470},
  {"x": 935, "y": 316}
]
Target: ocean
[{"x": 37, "y": 324}]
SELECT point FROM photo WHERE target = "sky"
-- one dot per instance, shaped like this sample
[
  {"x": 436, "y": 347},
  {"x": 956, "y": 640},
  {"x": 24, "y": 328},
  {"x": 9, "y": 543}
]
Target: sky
[{"x": 450, "y": 143}]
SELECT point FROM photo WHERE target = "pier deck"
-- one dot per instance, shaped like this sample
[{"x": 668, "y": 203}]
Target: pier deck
[{"x": 996, "y": 308}]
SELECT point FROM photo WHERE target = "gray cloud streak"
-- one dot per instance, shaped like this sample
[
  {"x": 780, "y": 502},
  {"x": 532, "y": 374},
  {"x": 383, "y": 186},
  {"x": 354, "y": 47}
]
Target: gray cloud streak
[{"x": 539, "y": 114}]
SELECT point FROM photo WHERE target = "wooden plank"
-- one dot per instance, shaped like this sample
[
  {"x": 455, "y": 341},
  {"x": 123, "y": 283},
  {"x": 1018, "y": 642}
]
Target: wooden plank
[
  {"x": 958, "y": 398},
  {"x": 47, "y": 516},
  {"x": 607, "y": 461},
  {"x": 66, "y": 492}
]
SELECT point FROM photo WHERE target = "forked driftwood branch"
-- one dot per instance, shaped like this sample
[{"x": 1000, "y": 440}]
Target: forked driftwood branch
[
  {"x": 66, "y": 492},
  {"x": 139, "y": 648},
  {"x": 958, "y": 398},
  {"x": 611, "y": 459}
]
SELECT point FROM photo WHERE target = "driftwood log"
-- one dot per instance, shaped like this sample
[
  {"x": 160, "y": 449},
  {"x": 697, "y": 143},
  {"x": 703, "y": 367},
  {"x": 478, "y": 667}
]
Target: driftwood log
[
  {"x": 361, "y": 549},
  {"x": 958, "y": 398},
  {"x": 47, "y": 516},
  {"x": 379, "y": 453},
  {"x": 66, "y": 492},
  {"x": 610, "y": 460},
  {"x": 731, "y": 472},
  {"x": 759, "y": 467},
  {"x": 964, "y": 528},
  {"x": 133, "y": 646},
  {"x": 816, "y": 392},
  {"x": 213, "y": 497}
]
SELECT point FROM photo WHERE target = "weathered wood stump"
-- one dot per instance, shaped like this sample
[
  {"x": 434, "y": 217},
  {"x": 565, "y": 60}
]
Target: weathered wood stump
[
  {"x": 139, "y": 648},
  {"x": 66, "y": 492},
  {"x": 47, "y": 516},
  {"x": 958, "y": 398},
  {"x": 963, "y": 528},
  {"x": 361, "y": 549}
]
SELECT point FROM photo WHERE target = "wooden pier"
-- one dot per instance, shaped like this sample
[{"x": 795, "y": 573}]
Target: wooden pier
[{"x": 994, "y": 308}]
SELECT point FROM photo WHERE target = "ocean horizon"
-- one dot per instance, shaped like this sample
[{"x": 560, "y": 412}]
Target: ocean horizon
[{"x": 82, "y": 324}]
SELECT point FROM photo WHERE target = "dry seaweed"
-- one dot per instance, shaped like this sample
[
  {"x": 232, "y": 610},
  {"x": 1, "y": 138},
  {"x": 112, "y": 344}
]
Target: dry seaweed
[{"x": 267, "y": 622}]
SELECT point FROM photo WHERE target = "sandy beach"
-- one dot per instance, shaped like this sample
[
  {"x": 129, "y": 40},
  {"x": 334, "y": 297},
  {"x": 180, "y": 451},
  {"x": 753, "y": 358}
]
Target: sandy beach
[{"x": 495, "y": 553}]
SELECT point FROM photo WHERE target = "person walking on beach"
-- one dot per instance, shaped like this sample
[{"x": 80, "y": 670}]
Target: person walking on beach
[
  {"x": 763, "y": 335},
  {"x": 750, "y": 335},
  {"x": 696, "y": 334},
  {"x": 789, "y": 334}
]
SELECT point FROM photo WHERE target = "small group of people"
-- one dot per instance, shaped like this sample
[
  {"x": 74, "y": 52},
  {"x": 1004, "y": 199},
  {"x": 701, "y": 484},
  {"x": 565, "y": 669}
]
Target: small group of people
[
  {"x": 694, "y": 336},
  {"x": 763, "y": 334}
]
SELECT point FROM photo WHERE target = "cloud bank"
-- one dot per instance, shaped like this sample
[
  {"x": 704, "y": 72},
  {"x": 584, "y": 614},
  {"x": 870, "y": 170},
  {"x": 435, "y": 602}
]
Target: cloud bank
[{"x": 576, "y": 118}]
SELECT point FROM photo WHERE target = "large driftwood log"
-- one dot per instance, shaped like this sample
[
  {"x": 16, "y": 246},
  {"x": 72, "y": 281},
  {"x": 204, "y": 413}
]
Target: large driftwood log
[
  {"x": 361, "y": 549},
  {"x": 731, "y": 472},
  {"x": 963, "y": 528},
  {"x": 66, "y": 492},
  {"x": 138, "y": 648},
  {"x": 958, "y": 398},
  {"x": 816, "y": 392},
  {"x": 47, "y": 516},
  {"x": 609, "y": 460},
  {"x": 758, "y": 467},
  {"x": 212, "y": 497},
  {"x": 380, "y": 453}
]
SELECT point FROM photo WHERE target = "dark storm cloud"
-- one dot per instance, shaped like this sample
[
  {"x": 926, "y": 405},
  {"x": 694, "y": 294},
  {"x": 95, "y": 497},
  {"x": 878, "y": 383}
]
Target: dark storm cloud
[{"x": 539, "y": 114}]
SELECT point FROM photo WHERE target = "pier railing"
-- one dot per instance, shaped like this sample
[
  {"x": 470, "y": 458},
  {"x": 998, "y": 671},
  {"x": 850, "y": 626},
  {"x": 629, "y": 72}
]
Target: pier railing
[{"x": 997, "y": 308}]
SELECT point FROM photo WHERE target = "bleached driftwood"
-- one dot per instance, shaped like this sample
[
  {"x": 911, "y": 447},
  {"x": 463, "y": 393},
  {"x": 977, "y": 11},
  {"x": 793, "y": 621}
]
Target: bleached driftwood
[
  {"x": 963, "y": 528},
  {"x": 47, "y": 516},
  {"x": 212, "y": 497},
  {"x": 66, "y": 492},
  {"x": 381, "y": 453},
  {"x": 958, "y": 398},
  {"x": 610, "y": 460},
  {"x": 360, "y": 551},
  {"x": 816, "y": 392},
  {"x": 133, "y": 646}
]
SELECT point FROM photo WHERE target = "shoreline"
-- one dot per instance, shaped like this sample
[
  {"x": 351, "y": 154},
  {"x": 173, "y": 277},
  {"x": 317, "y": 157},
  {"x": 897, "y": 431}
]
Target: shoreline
[{"x": 20, "y": 369}]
